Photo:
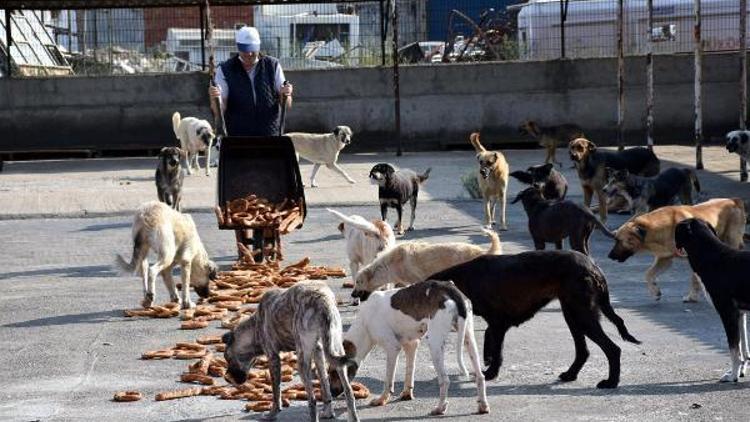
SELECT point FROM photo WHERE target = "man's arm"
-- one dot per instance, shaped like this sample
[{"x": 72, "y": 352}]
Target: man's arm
[
  {"x": 281, "y": 88},
  {"x": 221, "y": 89}
]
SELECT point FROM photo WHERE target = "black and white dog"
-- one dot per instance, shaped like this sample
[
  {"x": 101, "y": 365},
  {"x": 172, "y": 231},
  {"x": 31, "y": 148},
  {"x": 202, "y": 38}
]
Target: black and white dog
[
  {"x": 395, "y": 188},
  {"x": 723, "y": 271},
  {"x": 551, "y": 181},
  {"x": 738, "y": 141},
  {"x": 169, "y": 176}
]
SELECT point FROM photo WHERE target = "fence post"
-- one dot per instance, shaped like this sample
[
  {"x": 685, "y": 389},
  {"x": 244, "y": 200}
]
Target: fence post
[
  {"x": 9, "y": 43},
  {"x": 697, "y": 39},
  {"x": 396, "y": 82},
  {"x": 743, "y": 80},
  {"x": 202, "y": 17},
  {"x": 650, "y": 77},
  {"x": 382, "y": 33},
  {"x": 620, "y": 75},
  {"x": 563, "y": 6}
]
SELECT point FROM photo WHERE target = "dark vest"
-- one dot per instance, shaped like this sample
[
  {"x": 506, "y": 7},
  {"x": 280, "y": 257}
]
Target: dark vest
[{"x": 242, "y": 116}]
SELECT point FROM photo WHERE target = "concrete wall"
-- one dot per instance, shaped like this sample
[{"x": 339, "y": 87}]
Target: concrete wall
[{"x": 440, "y": 104}]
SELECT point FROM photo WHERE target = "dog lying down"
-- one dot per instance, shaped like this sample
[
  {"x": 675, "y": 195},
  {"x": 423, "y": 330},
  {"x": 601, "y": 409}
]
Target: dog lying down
[
  {"x": 364, "y": 239},
  {"x": 304, "y": 319},
  {"x": 507, "y": 290},
  {"x": 412, "y": 262},
  {"x": 398, "y": 319}
]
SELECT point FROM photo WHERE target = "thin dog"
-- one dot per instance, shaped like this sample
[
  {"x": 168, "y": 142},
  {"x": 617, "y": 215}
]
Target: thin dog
[
  {"x": 169, "y": 177},
  {"x": 304, "y": 319},
  {"x": 492, "y": 177},
  {"x": 175, "y": 241},
  {"x": 550, "y": 136},
  {"x": 395, "y": 188},
  {"x": 398, "y": 319},
  {"x": 650, "y": 193},
  {"x": 323, "y": 149},
  {"x": 195, "y": 136}
]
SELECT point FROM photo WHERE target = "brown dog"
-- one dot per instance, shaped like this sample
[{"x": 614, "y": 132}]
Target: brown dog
[
  {"x": 592, "y": 164},
  {"x": 654, "y": 232},
  {"x": 550, "y": 136},
  {"x": 492, "y": 177}
]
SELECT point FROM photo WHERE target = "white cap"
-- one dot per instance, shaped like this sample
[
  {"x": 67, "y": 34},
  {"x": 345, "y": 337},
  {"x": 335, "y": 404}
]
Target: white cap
[{"x": 248, "y": 39}]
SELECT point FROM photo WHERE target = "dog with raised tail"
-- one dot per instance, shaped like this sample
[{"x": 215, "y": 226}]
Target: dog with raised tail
[
  {"x": 364, "y": 239},
  {"x": 492, "y": 176},
  {"x": 398, "y": 319},
  {"x": 396, "y": 188},
  {"x": 195, "y": 136}
]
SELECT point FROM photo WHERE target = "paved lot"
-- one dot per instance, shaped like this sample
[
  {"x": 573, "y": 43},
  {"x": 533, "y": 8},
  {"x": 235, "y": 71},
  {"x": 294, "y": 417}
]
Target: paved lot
[{"x": 66, "y": 347}]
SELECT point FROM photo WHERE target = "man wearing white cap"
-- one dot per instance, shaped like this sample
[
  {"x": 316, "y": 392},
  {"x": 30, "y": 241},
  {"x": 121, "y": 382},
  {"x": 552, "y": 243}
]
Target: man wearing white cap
[{"x": 250, "y": 86}]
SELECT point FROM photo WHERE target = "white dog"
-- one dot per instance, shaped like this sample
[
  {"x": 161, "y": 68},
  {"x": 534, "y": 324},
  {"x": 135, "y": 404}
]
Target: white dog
[
  {"x": 175, "y": 241},
  {"x": 397, "y": 319},
  {"x": 322, "y": 149},
  {"x": 364, "y": 239},
  {"x": 195, "y": 135}
]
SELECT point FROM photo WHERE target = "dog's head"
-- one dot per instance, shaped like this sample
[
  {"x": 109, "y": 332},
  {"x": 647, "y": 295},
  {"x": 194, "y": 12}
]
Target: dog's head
[
  {"x": 487, "y": 161},
  {"x": 738, "y": 141},
  {"x": 202, "y": 274},
  {"x": 379, "y": 272},
  {"x": 337, "y": 387},
  {"x": 528, "y": 196},
  {"x": 171, "y": 157},
  {"x": 690, "y": 230},
  {"x": 529, "y": 128},
  {"x": 343, "y": 134},
  {"x": 243, "y": 347},
  {"x": 616, "y": 179},
  {"x": 206, "y": 134},
  {"x": 541, "y": 173},
  {"x": 580, "y": 148},
  {"x": 381, "y": 173},
  {"x": 629, "y": 239}
]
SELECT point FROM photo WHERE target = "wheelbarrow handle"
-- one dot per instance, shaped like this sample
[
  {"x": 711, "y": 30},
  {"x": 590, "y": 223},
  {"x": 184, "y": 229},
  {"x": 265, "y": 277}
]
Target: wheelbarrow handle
[{"x": 284, "y": 99}]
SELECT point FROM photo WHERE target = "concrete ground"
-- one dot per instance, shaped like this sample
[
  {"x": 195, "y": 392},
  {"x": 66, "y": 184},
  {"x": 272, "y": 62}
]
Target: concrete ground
[{"x": 66, "y": 348}]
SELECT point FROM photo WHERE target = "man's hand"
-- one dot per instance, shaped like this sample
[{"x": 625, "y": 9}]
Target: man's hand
[
  {"x": 214, "y": 92},
  {"x": 287, "y": 90}
]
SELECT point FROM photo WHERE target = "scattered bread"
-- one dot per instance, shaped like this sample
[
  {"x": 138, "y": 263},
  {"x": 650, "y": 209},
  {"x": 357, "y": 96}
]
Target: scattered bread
[
  {"x": 178, "y": 394},
  {"x": 124, "y": 396}
]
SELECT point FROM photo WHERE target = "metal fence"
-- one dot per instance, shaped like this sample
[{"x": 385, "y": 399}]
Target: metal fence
[{"x": 355, "y": 34}]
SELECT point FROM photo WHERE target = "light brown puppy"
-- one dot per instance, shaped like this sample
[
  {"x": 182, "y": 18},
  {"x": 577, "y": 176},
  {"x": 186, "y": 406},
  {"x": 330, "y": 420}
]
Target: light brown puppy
[
  {"x": 492, "y": 177},
  {"x": 550, "y": 136},
  {"x": 654, "y": 232}
]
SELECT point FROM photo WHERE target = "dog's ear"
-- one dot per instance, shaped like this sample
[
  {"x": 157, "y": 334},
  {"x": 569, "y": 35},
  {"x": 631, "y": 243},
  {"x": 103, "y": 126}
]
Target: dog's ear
[
  {"x": 227, "y": 338},
  {"x": 182, "y": 152},
  {"x": 641, "y": 232},
  {"x": 341, "y": 227},
  {"x": 523, "y": 176},
  {"x": 336, "y": 131},
  {"x": 495, "y": 157},
  {"x": 744, "y": 137},
  {"x": 590, "y": 146},
  {"x": 518, "y": 196},
  {"x": 163, "y": 150},
  {"x": 546, "y": 169}
]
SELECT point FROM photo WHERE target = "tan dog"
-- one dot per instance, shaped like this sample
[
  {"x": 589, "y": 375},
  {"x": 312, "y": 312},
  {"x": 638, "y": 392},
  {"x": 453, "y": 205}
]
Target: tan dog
[
  {"x": 174, "y": 239},
  {"x": 492, "y": 177},
  {"x": 550, "y": 136},
  {"x": 592, "y": 164},
  {"x": 412, "y": 262},
  {"x": 654, "y": 232}
]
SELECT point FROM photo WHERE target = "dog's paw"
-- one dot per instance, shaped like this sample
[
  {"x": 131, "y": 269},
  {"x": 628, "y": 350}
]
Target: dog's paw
[
  {"x": 327, "y": 412},
  {"x": 568, "y": 376},
  {"x": 728, "y": 377},
  {"x": 270, "y": 416},
  {"x": 351, "y": 181},
  {"x": 407, "y": 395},
  {"x": 490, "y": 373},
  {"x": 690, "y": 298},
  {"x": 439, "y": 409},
  {"x": 148, "y": 300},
  {"x": 187, "y": 305},
  {"x": 380, "y": 401},
  {"x": 483, "y": 408},
  {"x": 607, "y": 384},
  {"x": 410, "y": 229}
]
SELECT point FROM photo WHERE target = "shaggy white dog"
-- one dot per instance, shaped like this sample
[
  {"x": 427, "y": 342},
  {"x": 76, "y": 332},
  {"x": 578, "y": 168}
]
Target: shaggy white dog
[{"x": 195, "y": 135}]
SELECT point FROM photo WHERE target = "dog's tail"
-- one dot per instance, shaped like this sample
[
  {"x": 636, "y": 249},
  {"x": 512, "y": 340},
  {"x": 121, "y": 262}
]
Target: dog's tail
[
  {"x": 424, "y": 176},
  {"x": 609, "y": 312},
  {"x": 599, "y": 225},
  {"x": 333, "y": 342},
  {"x": 474, "y": 139},
  {"x": 694, "y": 179},
  {"x": 134, "y": 264},
  {"x": 176, "y": 123},
  {"x": 496, "y": 247},
  {"x": 365, "y": 226}
]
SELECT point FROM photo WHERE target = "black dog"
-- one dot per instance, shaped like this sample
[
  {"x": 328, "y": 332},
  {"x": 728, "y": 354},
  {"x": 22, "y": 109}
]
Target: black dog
[
  {"x": 395, "y": 188},
  {"x": 650, "y": 193},
  {"x": 723, "y": 271},
  {"x": 507, "y": 290},
  {"x": 553, "y": 221},
  {"x": 551, "y": 181},
  {"x": 169, "y": 176}
]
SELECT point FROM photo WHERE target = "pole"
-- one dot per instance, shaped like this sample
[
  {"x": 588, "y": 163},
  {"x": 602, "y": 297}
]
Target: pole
[
  {"x": 620, "y": 76},
  {"x": 396, "y": 82},
  {"x": 743, "y": 80},
  {"x": 9, "y": 39},
  {"x": 563, "y": 18},
  {"x": 697, "y": 39},
  {"x": 382, "y": 33},
  {"x": 202, "y": 14},
  {"x": 650, "y": 77}
]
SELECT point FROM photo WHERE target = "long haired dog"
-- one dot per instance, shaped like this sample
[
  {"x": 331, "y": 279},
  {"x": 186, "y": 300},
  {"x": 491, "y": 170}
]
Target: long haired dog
[
  {"x": 412, "y": 262},
  {"x": 397, "y": 319},
  {"x": 169, "y": 177},
  {"x": 302, "y": 318},
  {"x": 364, "y": 239},
  {"x": 175, "y": 241},
  {"x": 323, "y": 149},
  {"x": 723, "y": 271},
  {"x": 552, "y": 183},
  {"x": 550, "y": 136},
  {"x": 592, "y": 164},
  {"x": 195, "y": 135},
  {"x": 507, "y": 290},
  {"x": 650, "y": 193},
  {"x": 492, "y": 176},
  {"x": 395, "y": 188}
]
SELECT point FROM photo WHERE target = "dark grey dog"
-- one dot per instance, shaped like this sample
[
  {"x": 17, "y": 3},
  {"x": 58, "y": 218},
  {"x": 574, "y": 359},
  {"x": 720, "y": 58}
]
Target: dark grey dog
[
  {"x": 553, "y": 221},
  {"x": 551, "y": 181},
  {"x": 302, "y": 318},
  {"x": 169, "y": 176},
  {"x": 395, "y": 188},
  {"x": 650, "y": 193}
]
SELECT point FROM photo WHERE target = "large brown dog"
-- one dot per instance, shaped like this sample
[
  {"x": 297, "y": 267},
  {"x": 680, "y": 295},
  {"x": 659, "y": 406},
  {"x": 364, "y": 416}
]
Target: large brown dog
[
  {"x": 592, "y": 164},
  {"x": 492, "y": 177},
  {"x": 654, "y": 232},
  {"x": 550, "y": 136}
]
